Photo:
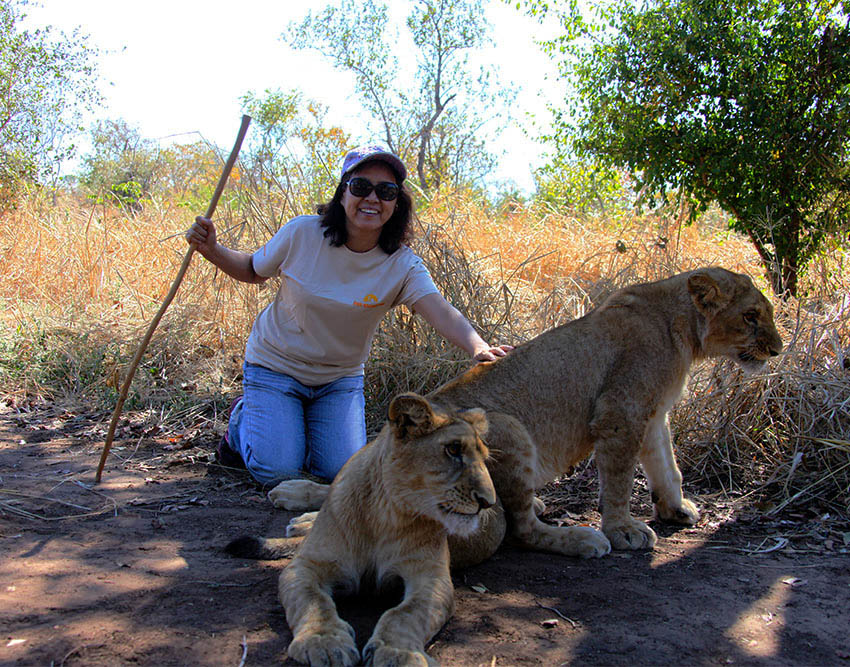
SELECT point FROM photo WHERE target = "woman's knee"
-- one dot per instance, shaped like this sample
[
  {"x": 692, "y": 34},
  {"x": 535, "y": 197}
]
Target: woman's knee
[
  {"x": 331, "y": 447},
  {"x": 272, "y": 454},
  {"x": 271, "y": 470}
]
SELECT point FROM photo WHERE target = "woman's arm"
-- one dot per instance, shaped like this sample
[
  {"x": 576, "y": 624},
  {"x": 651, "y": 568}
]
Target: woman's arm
[
  {"x": 234, "y": 263},
  {"x": 455, "y": 328}
]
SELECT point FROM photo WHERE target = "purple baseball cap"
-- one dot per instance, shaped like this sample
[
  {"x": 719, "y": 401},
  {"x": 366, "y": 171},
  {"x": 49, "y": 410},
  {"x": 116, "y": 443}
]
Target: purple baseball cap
[{"x": 361, "y": 154}]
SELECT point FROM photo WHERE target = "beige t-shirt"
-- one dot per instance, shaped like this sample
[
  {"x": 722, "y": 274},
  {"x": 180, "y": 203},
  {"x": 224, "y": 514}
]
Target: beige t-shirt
[{"x": 320, "y": 326}]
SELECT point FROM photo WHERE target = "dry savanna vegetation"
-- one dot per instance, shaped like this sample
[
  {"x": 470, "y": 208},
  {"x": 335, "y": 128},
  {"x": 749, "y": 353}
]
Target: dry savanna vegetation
[{"x": 82, "y": 279}]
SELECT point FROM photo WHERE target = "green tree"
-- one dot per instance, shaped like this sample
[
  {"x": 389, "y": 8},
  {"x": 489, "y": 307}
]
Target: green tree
[
  {"x": 580, "y": 186},
  {"x": 292, "y": 146},
  {"x": 189, "y": 173},
  {"x": 437, "y": 122},
  {"x": 46, "y": 81},
  {"x": 125, "y": 167},
  {"x": 742, "y": 102},
  {"x": 122, "y": 164}
]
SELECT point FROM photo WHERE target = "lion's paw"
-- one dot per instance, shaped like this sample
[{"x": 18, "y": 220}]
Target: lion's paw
[
  {"x": 538, "y": 505},
  {"x": 685, "y": 514},
  {"x": 633, "y": 534},
  {"x": 298, "y": 495},
  {"x": 333, "y": 647},
  {"x": 380, "y": 654},
  {"x": 301, "y": 524},
  {"x": 587, "y": 542}
]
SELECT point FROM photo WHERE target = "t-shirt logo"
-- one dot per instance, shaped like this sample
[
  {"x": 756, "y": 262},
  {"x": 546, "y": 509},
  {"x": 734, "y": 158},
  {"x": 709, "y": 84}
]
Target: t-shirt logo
[{"x": 369, "y": 301}]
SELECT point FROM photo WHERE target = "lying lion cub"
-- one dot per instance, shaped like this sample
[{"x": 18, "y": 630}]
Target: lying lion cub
[
  {"x": 386, "y": 517},
  {"x": 603, "y": 384}
]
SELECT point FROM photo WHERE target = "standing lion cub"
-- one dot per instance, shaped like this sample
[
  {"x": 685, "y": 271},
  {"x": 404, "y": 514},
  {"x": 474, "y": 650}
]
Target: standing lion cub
[
  {"x": 602, "y": 384},
  {"x": 386, "y": 518}
]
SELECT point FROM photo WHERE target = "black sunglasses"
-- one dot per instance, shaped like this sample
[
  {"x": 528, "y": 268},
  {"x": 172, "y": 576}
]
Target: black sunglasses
[{"x": 361, "y": 187}]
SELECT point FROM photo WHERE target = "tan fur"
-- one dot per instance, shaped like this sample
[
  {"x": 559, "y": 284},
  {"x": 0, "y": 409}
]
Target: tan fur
[
  {"x": 605, "y": 384},
  {"x": 386, "y": 518}
]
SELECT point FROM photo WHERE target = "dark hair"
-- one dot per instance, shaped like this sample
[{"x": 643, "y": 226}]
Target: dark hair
[{"x": 394, "y": 233}]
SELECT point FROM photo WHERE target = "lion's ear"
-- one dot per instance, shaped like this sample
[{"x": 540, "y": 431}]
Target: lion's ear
[
  {"x": 477, "y": 418},
  {"x": 411, "y": 416},
  {"x": 707, "y": 294}
]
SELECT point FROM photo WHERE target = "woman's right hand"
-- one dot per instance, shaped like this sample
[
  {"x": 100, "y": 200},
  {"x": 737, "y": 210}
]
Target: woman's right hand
[
  {"x": 234, "y": 263},
  {"x": 202, "y": 235}
]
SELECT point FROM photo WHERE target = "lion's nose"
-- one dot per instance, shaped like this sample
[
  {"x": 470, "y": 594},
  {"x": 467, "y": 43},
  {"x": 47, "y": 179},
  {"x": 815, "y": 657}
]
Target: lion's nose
[
  {"x": 483, "y": 502},
  {"x": 775, "y": 346}
]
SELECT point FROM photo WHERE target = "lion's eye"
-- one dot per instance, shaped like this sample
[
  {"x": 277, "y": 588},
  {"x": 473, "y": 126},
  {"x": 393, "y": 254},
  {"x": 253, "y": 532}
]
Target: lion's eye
[
  {"x": 453, "y": 450},
  {"x": 751, "y": 317}
]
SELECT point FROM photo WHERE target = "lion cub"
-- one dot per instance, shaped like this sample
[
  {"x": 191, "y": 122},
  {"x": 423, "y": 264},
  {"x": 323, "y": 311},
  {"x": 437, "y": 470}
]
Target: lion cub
[
  {"x": 386, "y": 517},
  {"x": 602, "y": 384}
]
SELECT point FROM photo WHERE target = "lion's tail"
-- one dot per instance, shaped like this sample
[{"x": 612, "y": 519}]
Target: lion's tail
[{"x": 261, "y": 548}]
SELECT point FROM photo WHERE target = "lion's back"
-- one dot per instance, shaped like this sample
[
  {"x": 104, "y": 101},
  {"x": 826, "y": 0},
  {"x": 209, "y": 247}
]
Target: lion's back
[{"x": 553, "y": 377}]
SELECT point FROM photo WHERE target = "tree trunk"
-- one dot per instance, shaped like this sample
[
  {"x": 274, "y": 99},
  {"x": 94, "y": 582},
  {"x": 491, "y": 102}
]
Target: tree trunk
[
  {"x": 784, "y": 275},
  {"x": 786, "y": 263},
  {"x": 782, "y": 264}
]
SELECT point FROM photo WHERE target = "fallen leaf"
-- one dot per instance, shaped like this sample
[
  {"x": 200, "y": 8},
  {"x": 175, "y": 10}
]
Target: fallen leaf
[
  {"x": 15, "y": 642},
  {"x": 480, "y": 588}
]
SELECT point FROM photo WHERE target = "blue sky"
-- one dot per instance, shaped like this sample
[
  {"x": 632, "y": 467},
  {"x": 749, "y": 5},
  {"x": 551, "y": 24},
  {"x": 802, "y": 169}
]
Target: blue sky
[{"x": 179, "y": 67}]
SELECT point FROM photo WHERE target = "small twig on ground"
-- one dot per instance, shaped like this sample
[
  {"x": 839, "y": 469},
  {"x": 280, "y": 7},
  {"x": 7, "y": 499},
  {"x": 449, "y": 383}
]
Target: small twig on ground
[
  {"x": 32, "y": 515},
  {"x": 52, "y": 500},
  {"x": 217, "y": 584},
  {"x": 14, "y": 510},
  {"x": 795, "y": 566},
  {"x": 132, "y": 454},
  {"x": 552, "y": 609},
  {"x": 98, "y": 493},
  {"x": 781, "y": 543},
  {"x": 174, "y": 497},
  {"x": 244, "y": 651}
]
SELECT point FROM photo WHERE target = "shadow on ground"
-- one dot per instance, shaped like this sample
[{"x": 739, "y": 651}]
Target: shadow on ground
[{"x": 132, "y": 571}]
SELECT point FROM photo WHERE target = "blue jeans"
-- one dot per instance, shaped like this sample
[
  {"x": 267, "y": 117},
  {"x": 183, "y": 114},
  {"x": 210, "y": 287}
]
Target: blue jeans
[{"x": 282, "y": 428}]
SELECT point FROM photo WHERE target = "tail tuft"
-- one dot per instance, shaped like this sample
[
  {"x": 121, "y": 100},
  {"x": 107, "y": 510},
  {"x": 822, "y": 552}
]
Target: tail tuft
[
  {"x": 246, "y": 546},
  {"x": 260, "y": 548}
]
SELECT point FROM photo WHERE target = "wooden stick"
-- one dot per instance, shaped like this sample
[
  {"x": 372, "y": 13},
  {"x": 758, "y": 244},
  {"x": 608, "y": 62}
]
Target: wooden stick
[{"x": 222, "y": 181}]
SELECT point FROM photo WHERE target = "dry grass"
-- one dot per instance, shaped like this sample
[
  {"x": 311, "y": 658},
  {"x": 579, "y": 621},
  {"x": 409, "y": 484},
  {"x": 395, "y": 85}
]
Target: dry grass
[
  {"x": 785, "y": 433},
  {"x": 82, "y": 280}
]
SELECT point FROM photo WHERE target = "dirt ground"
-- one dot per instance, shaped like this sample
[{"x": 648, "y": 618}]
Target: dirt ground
[{"x": 132, "y": 571}]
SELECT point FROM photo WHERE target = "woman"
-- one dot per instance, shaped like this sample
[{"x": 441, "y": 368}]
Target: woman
[{"x": 303, "y": 407}]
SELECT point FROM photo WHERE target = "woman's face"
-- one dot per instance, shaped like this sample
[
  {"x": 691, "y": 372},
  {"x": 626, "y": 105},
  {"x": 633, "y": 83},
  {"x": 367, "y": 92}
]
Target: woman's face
[{"x": 366, "y": 216}]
